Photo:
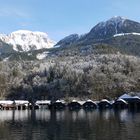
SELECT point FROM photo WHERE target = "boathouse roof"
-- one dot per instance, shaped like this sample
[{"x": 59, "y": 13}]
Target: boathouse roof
[
  {"x": 125, "y": 96},
  {"x": 21, "y": 102},
  {"x": 43, "y": 102},
  {"x": 8, "y": 102}
]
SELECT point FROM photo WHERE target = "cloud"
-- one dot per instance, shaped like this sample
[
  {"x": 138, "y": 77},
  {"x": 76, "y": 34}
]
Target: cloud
[{"x": 13, "y": 12}]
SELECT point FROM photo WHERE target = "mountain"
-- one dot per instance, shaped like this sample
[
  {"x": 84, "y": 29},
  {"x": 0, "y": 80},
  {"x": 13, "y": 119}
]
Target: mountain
[
  {"x": 68, "y": 40},
  {"x": 23, "y": 40},
  {"x": 116, "y": 26},
  {"x": 120, "y": 32},
  {"x": 111, "y": 28}
]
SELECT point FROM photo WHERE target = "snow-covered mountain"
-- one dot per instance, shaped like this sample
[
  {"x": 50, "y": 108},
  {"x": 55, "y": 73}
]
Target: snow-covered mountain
[{"x": 24, "y": 40}]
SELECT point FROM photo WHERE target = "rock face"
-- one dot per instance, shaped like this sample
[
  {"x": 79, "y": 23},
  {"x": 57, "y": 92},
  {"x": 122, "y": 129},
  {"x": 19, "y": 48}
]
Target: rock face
[{"x": 23, "y": 40}]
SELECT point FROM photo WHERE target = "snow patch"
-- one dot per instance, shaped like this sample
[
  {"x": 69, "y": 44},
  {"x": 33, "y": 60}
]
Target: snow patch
[
  {"x": 6, "y": 59},
  {"x": 57, "y": 46},
  {"x": 124, "y": 34},
  {"x": 41, "y": 56}
]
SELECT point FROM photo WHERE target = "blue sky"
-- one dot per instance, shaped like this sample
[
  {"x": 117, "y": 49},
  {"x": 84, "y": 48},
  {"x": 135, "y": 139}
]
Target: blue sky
[{"x": 60, "y": 18}]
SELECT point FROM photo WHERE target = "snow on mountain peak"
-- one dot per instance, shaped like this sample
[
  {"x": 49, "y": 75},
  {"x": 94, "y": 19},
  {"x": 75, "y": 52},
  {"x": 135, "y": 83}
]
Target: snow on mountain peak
[
  {"x": 114, "y": 20},
  {"x": 24, "y": 40},
  {"x": 117, "y": 19}
]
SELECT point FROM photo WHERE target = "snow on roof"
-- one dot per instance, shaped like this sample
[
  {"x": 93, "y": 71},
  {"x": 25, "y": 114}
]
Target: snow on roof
[
  {"x": 74, "y": 101},
  {"x": 80, "y": 102},
  {"x": 122, "y": 101},
  {"x": 105, "y": 100},
  {"x": 8, "y": 102},
  {"x": 58, "y": 101},
  {"x": 125, "y": 96},
  {"x": 21, "y": 101},
  {"x": 136, "y": 97},
  {"x": 89, "y": 100},
  {"x": 43, "y": 102}
]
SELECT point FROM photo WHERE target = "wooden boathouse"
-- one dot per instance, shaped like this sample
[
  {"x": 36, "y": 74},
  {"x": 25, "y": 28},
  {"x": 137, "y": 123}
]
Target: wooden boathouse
[
  {"x": 89, "y": 104},
  {"x": 74, "y": 105},
  {"x": 120, "y": 104},
  {"x": 104, "y": 104}
]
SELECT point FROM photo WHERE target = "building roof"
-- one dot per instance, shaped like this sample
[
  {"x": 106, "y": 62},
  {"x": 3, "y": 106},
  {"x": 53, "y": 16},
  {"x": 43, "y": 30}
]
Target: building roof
[
  {"x": 43, "y": 102},
  {"x": 122, "y": 100},
  {"x": 8, "y": 102},
  {"x": 20, "y": 102},
  {"x": 125, "y": 96}
]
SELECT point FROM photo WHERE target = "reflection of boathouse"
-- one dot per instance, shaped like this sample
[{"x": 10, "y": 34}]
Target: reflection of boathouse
[
  {"x": 89, "y": 104},
  {"x": 104, "y": 104}
]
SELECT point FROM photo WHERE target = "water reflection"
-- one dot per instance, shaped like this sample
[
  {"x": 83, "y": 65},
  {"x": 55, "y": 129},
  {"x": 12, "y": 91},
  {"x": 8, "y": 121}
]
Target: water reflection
[
  {"x": 45, "y": 115},
  {"x": 69, "y": 125}
]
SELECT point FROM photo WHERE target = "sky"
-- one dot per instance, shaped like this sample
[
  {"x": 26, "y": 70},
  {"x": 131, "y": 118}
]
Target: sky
[{"x": 60, "y": 18}]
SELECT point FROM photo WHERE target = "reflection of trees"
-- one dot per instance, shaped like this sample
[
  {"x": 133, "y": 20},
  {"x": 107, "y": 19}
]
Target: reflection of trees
[{"x": 62, "y": 125}]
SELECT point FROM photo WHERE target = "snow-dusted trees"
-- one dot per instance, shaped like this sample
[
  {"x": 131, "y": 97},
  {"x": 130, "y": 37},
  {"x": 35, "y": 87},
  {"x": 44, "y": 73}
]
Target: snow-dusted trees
[{"x": 86, "y": 75}]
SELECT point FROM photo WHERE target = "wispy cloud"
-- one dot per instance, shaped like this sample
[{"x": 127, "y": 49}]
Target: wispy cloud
[{"x": 13, "y": 12}]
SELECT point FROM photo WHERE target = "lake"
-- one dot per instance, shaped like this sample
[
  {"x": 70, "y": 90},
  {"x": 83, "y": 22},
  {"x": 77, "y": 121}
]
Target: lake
[{"x": 69, "y": 125}]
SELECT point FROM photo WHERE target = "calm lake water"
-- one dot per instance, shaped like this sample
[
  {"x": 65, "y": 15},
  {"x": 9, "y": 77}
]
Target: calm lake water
[{"x": 69, "y": 125}]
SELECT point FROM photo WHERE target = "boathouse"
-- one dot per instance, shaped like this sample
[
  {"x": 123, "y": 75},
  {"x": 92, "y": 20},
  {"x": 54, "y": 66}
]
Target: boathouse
[
  {"x": 133, "y": 101},
  {"x": 21, "y": 104},
  {"x": 59, "y": 104},
  {"x": 7, "y": 104},
  {"x": 120, "y": 104},
  {"x": 43, "y": 104},
  {"x": 104, "y": 104},
  {"x": 89, "y": 104},
  {"x": 75, "y": 105}
]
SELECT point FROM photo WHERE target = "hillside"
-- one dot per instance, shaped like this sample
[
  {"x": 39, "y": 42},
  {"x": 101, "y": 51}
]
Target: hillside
[
  {"x": 98, "y": 71},
  {"x": 94, "y": 65}
]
